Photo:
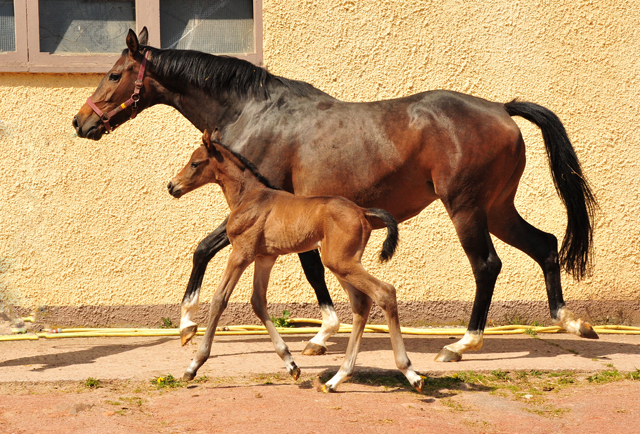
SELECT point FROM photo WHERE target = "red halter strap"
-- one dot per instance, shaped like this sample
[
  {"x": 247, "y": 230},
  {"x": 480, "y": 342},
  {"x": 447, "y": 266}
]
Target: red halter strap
[{"x": 132, "y": 101}]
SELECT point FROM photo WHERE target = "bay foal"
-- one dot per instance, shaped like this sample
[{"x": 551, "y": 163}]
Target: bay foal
[{"x": 265, "y": 223}]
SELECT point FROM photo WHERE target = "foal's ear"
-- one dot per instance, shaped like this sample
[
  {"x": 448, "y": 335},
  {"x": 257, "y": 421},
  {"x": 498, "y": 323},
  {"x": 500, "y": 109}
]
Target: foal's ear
[
  {"x": 206, "y": 140},
  {"x": 143, "y": 36},
  {"x": 132, "y": 43}
]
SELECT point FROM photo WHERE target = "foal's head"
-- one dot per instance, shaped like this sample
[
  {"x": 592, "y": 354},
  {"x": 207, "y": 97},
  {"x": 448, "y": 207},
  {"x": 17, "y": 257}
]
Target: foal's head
[{"x": 200, "y": 168}]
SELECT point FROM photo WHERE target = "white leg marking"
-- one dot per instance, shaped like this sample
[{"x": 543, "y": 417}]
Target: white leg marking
[
  {"x": 568, "y": 322},
  {"x": 471, "y": 341},
  {"x": 330, "y": 325},
  {"x": 189, "y": 309}
]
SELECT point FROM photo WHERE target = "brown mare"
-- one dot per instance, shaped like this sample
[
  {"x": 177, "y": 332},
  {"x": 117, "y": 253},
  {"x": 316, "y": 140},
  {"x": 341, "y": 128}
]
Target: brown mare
[
  {"x": 266, "y": 222},
  {"x": 399, "y": 155}
]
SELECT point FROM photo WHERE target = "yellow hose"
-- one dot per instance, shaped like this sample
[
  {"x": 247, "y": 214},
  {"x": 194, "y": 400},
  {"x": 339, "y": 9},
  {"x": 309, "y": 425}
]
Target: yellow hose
[{"x": 240, "y": 330}]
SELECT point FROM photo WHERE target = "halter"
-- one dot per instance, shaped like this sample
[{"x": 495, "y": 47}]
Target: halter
[{"x": 132, "y": 101}]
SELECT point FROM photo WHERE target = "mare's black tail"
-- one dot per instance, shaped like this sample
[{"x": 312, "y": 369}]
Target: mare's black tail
[
  {"x": 570, "y": 183},
  {"x": 391, "y": 242}
]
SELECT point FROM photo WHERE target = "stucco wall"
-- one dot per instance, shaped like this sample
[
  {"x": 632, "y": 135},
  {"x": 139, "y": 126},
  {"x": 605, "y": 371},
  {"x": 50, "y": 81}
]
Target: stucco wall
[{"x": 91, "y": 223}]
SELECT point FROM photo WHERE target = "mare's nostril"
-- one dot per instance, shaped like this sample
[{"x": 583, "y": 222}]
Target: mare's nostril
[
  {"x": 169, "y": 186},
  {"x": 75, "y": 122}
]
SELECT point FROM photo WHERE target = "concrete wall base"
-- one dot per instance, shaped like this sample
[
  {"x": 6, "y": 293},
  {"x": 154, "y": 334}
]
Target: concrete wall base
[{"x": 412, "y": 313}]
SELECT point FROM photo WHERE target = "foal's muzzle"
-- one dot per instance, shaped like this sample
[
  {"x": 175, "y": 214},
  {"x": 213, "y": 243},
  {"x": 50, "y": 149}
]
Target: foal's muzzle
[{"x": 174, "y": 189}]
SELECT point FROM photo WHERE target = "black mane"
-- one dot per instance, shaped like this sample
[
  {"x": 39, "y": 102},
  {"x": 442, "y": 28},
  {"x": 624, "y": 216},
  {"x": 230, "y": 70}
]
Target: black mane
[
  {"x": 246, "y": 163},
  {"x": 220, "y": 75}
]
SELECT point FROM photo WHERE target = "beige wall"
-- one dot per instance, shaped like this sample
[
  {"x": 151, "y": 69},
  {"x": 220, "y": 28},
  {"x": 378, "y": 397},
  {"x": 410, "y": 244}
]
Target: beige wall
[{"x": 91, "y": 223}]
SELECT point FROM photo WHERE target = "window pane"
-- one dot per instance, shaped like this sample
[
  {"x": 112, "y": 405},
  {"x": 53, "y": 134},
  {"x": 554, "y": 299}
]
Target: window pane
[
  {"x": 7, "y": 26},
  {"x": 218, "y": 26},
  {"x": 85, "y": 26}
]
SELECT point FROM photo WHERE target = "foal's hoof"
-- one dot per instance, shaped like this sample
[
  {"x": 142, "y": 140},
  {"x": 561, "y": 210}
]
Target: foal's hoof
[
  {"x": 446, "y": 355},
  {"x": 586, "y": 331},
  {"x": 187, "y": 333},
  {"x": 418, "y": 385},
  {"x": 328, "y": 389},
  {"x": 295, "y": 372},
  {"x": 188, "y": 376},
  {"x": 314, "y": 350}
]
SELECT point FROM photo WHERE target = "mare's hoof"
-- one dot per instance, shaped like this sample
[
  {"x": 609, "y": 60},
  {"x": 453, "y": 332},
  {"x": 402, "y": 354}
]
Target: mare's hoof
[
  {"x": 295, "y": 373},
  {"x": 188, "y": 376},
  {"x": 187, "y": 333},
  {"x": 446, "y": 355},
  {"x": 314, "y": 350},
  {"x": 586, "y": 331}
]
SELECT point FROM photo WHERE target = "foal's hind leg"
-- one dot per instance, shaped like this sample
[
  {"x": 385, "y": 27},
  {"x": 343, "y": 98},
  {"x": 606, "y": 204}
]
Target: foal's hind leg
[
  {"x": 261, "y": 275},
  {"x": 206, "y": 250},
  {"x": 314, "y": 271},
  {"x": 361, "y": 306},
  {"x": 384, "y": 295},
  {"x": 235, "y": 267},
  {"x": 510, "y": 227},
  {"x": 472, "y": 230}
]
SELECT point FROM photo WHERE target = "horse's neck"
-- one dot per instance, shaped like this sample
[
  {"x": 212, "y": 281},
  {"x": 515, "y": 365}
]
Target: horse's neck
[
  {"x": 200, "y": 108},
  {"x": 237, "y": 184}
]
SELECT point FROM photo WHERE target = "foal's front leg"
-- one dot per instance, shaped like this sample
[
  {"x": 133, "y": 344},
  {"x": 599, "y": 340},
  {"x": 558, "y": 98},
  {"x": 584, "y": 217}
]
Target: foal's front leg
[
  {"x": 206, "y": 250},
  {"x": 235, "y": 267},
  {"x": 261, "y": 275}
]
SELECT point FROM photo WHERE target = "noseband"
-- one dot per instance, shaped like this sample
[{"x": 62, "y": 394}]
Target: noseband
[{"x": 132, "y": 101}]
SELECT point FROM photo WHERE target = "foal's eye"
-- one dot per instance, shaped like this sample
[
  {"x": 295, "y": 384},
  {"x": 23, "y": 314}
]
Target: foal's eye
[
  {"x": 194, "y": 165},
  {"x": 114, "y": 77}
]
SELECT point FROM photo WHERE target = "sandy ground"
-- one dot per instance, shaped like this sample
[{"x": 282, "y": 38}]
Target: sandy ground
[{"x": 244, "y": 387}]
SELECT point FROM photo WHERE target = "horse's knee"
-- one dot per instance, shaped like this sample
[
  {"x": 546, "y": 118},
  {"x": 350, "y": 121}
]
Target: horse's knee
[
  {"x": 488, "y": 269},
  {"x": 202, "y": 255}
]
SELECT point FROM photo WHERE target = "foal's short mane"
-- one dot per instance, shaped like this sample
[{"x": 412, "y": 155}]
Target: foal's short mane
[
  {"x": 218, "y": 75},
  {"x": 243, "y": 162}
]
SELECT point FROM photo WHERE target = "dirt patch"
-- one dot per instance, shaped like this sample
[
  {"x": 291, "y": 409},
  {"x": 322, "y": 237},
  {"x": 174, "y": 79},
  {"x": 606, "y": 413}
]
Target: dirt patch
[
  {"x": 374, "y": 401},
  {"x": 553, "y": 383}
]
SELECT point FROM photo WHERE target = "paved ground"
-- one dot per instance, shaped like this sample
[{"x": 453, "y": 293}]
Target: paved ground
[
  {"x": 240, "y": 393},
  {"x": 143, "y": 358}
]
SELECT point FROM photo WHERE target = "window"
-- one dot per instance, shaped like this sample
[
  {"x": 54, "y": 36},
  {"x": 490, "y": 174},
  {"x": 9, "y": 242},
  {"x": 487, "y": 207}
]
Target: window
[{"x": 88, "y": 35}]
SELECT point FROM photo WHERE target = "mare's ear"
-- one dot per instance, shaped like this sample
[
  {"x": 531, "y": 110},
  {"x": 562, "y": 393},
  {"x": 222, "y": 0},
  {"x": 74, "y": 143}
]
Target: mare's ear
[
  {"x": 215, "y": 136},
  {"x": 143, "y": 36},
  {"x": 132, "y": 43}
]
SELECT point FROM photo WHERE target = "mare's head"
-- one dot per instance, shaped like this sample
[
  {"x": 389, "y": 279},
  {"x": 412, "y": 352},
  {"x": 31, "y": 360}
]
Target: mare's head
[
  {"x": 116, "y": 99},
  {"x": 200, "y": 169}
]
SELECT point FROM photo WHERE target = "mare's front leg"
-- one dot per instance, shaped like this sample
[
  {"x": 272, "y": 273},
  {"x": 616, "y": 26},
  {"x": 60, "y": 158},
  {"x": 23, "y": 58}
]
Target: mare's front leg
[
  {"x": 261, "y": 275},
  {"x": 235, "y": 267},
  {"x": 473, "y": 232},
  {"x": 314, "y": 271},
  {"x": 206, "y": 250}
]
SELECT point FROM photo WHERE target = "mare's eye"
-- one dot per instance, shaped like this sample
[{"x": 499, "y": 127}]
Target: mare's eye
[
  {"x": 114, "y": 77},
  {"x": 194, "y": 165}
]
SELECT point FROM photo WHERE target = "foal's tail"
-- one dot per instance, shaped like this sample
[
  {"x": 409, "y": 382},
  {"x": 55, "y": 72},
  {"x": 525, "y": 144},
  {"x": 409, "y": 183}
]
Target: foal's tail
[
  {"x": 571, "y": 185},
  {"x": 391, "y": 242}
]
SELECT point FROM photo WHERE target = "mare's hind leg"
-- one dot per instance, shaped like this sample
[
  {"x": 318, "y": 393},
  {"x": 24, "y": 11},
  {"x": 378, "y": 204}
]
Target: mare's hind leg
[
  {"x": 206, "y": 250},
  {"x": 235, "y": 267},
  {"x": 314, "y": 271},
  {"x": 261, "y": 275},
  {"x": 473, "y": 232},
  {"x": 361, "y": 306},
  {"x": 510, "y": 227}
]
